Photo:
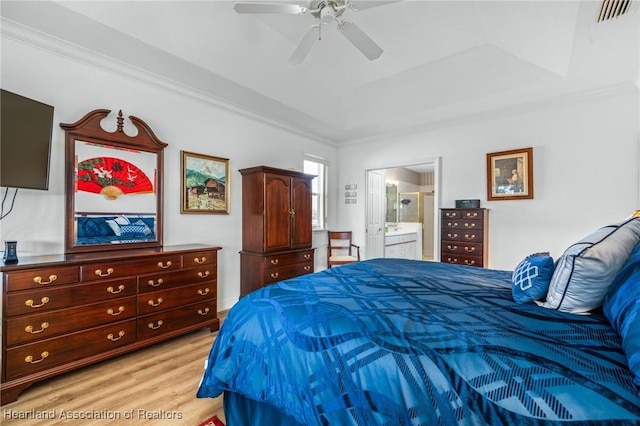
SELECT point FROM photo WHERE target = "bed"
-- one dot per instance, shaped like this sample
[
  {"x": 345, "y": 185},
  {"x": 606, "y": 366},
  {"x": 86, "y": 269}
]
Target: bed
[{"x": 405, "y": 342}]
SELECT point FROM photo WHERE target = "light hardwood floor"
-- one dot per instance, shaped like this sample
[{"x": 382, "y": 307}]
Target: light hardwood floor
[{"x": 153, "y": 386}]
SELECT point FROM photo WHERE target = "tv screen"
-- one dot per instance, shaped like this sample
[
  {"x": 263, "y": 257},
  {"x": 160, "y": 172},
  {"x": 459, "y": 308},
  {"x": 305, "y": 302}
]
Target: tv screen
[{"x": 26, "y": 126}]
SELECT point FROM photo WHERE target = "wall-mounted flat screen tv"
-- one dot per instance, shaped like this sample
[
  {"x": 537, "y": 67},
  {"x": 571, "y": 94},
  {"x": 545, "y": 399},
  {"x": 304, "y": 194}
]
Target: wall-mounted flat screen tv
[{"x": 26, "y": 126}]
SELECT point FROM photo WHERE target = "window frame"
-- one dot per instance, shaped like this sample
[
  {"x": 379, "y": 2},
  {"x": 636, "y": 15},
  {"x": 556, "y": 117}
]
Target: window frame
[{"x": 322, "y": 181}]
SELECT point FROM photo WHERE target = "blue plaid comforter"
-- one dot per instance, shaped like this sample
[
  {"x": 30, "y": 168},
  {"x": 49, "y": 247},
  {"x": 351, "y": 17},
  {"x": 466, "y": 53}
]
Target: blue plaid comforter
[{"x": 401, "y": 342}]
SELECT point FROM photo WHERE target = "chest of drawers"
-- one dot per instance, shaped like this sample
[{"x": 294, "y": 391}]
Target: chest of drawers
[
  {"x": 64, "y": 312},
  {"x": 259, "y": 269},
  {"x": 464, "y": 236}
]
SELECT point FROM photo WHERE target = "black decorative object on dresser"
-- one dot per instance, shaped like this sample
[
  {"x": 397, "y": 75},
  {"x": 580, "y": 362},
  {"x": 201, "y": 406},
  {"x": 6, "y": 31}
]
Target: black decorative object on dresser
[
  {"x": 65, "y": 312},
  {"x": 276, "y": 226},
  {"x": 464, "y": 236}
]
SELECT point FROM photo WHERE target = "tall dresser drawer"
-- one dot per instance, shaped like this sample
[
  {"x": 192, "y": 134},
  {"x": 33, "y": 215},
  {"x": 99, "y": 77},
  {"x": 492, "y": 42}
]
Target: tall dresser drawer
[
  {"x": 45, "y": 354},
  {"x": 34, "y": 301},
  {"x": 28, "y": 328},
  {"x": 167, "y": 321},
  {"x": 41, "y": 278}
]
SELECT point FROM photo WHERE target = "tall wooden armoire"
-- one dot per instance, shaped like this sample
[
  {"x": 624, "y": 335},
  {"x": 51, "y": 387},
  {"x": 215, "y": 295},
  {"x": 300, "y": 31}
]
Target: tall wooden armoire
[{"x": 276, "y": 226}]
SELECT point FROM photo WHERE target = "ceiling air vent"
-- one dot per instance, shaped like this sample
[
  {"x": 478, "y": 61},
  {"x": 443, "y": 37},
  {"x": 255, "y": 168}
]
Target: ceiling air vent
[{"x": 613, "y": 8}]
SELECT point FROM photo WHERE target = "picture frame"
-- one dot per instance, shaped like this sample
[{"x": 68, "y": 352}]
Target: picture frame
[
  {"x": 510, "y": 175},
  {"x": 204, "y": 186},
  {"x": 114, "y": 185}
]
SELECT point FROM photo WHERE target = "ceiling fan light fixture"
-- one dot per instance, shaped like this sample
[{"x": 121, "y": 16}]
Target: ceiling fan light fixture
[{"x": 327, "y": 15}]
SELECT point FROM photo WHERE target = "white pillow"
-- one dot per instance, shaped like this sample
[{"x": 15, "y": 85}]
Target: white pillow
[{"x": 587, "y": 268}]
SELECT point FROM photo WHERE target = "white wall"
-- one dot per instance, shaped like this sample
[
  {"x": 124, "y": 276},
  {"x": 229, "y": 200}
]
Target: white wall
[
  {"x": 183, "y": 121},
  {"x": 586, "y": 167}
]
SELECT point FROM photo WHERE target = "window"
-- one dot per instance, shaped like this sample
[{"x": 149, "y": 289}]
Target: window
[{"x": 318, "y": 167}]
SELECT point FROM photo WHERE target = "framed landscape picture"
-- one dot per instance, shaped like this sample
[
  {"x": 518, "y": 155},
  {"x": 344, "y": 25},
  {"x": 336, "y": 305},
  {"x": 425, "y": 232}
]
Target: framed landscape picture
[
  {"x": 204, "y": 184},
  {"x": 510, "y": 175}
]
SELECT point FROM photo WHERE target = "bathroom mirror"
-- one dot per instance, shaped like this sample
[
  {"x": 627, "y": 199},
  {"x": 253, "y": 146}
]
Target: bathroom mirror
[{"x": 392, "y": 203}]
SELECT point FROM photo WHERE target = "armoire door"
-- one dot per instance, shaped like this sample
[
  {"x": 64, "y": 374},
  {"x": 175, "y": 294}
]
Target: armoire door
[
  {"x": 301, "y": 234},
  {"x": 277, "y": 214}
]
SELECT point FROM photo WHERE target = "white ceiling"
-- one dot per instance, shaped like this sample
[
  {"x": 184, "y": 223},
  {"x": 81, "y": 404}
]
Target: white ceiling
[{"x": 442, "y": 59}]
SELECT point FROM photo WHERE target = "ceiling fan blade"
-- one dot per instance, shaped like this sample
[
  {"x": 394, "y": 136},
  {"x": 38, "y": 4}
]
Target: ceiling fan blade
[
  {"x": 304, "y": 46},
  {"x": 288, "y": 9},
  {"x": 360, "y": 40},
  {"x": 368, "y": 4}
]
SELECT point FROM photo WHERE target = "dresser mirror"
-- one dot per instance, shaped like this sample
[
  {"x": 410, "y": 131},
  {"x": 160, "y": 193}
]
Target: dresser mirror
[{"x": 113, "y": 185}]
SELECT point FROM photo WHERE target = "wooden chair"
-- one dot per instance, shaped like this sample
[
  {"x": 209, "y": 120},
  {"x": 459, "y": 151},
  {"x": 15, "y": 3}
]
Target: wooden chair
[{"x": 341, "y": 249}]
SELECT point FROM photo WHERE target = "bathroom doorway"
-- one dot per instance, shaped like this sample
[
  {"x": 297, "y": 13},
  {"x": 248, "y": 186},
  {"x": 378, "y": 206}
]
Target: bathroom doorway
[{"x": 409, "y": 206}]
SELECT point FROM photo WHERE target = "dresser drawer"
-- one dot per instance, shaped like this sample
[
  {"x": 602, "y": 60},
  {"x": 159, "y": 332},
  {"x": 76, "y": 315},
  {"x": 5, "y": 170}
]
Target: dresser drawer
[
  {"x": 170, "y": 298},
  {"x": 462, "y": 259},
  {"x": 462, "y": 235},
  {"x": 462, "y": 247},
  {"x": 273, "y": 275},
  {"x": 167, "y": 321},
  {"x": 120, "y": 268},
  {"x": 34, "y": 301},
  {"x": 279, "y": 260},
  {"x": 49, "y": 353},
  {"x": 205, "y": 257},
  {"x": 48, "y": 324},
  {"x": 41, "y": 278},
  {"x": 462, "y": 214},
  {"x": 160, "y": 280},
  {"x": 453, "y": 224}
]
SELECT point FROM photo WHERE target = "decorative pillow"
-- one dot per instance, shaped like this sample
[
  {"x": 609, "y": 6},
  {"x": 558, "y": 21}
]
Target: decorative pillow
[
  {"x": 622, "y": 309},
  {"x": 586, "y": 270},
  {"x": 145, "y": 229},
  {"x": 116, "y": 223},
  {"x": 531, "y": 278},
  {"x": 93, "y": 227},
  {"x": 132, "y": 230}
]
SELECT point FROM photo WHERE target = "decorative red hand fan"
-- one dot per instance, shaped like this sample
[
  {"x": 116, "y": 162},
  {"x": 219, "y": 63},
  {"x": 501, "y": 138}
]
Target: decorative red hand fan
[{"x": 111, "y": 177}]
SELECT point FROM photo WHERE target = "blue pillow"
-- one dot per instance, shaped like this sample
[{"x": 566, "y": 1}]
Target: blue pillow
[
  {"x": 531, "y": 278},
  {"x": 622, "y": 309}
]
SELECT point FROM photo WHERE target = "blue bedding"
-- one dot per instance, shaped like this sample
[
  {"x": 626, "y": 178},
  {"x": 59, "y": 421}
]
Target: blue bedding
[{"x": 402, "y": 342}]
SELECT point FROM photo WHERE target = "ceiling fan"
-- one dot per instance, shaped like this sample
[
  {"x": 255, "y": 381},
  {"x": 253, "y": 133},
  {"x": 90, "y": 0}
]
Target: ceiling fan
[{"x": 326, "y": 12}]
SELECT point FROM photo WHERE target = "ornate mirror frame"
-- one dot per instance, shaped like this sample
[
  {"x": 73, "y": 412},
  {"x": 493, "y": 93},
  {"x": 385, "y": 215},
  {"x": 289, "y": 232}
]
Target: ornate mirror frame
[{"x": 113, "y": 186}]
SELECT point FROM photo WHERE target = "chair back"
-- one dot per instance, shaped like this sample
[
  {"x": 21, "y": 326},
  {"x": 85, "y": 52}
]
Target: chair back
[{"x": 340, "y": 243}]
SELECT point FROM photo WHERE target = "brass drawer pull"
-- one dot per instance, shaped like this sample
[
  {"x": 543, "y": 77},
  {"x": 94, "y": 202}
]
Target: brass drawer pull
[
  {"x": 469, "y": 225},
  {"x": 200, "y": 261},
  {"x": 452, "y": 235},
  {"x": 452, "y": 225},
  {"x": 451, "y": 214},
  {"x": 203, "y": 292},
  {"x": 43, "y": 327},
  {"x": 203, "y": 312},
  {"x": 43, "y": 302},
  {"x": 164, "y": 265},
  {"x": 112, "y": 290},
  {"x": 155, "y": 283},
  {"x": 274, "y": 261},
  {"x": 111, "y": 311},
  {"x": 275, "y": 274},
  {"x": 204, "y": 274},
  {"x": 99, "y": 273},
  {"x": 307, "y": 256},
  {"x": 450, "y": 260},
  {"x": 155, "y": 327},
  {"x": 469, "y": 249},
  {"x": 38, "y": 280},
  {"x": 307, "y": 268},
  {"x": 474, "y": 214},
  {"x": 470, "y": 237},
  {"x": 469, "y": 262},
  {"x": 450, "y": 247},
  {"x": 30, "y": 360},
  {"x": 114, "y": 338},
  {"x": 154, "y": 304}
]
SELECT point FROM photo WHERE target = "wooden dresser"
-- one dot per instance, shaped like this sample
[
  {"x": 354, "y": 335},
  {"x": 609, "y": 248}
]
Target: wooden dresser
[
  {"x": 464, "y": 236},
  {"x": 64, "y": 312},
  {"x": 276, "y": 226}
]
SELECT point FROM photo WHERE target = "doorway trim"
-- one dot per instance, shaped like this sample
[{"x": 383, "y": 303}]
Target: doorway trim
[{"x": 437, "y": 199}]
